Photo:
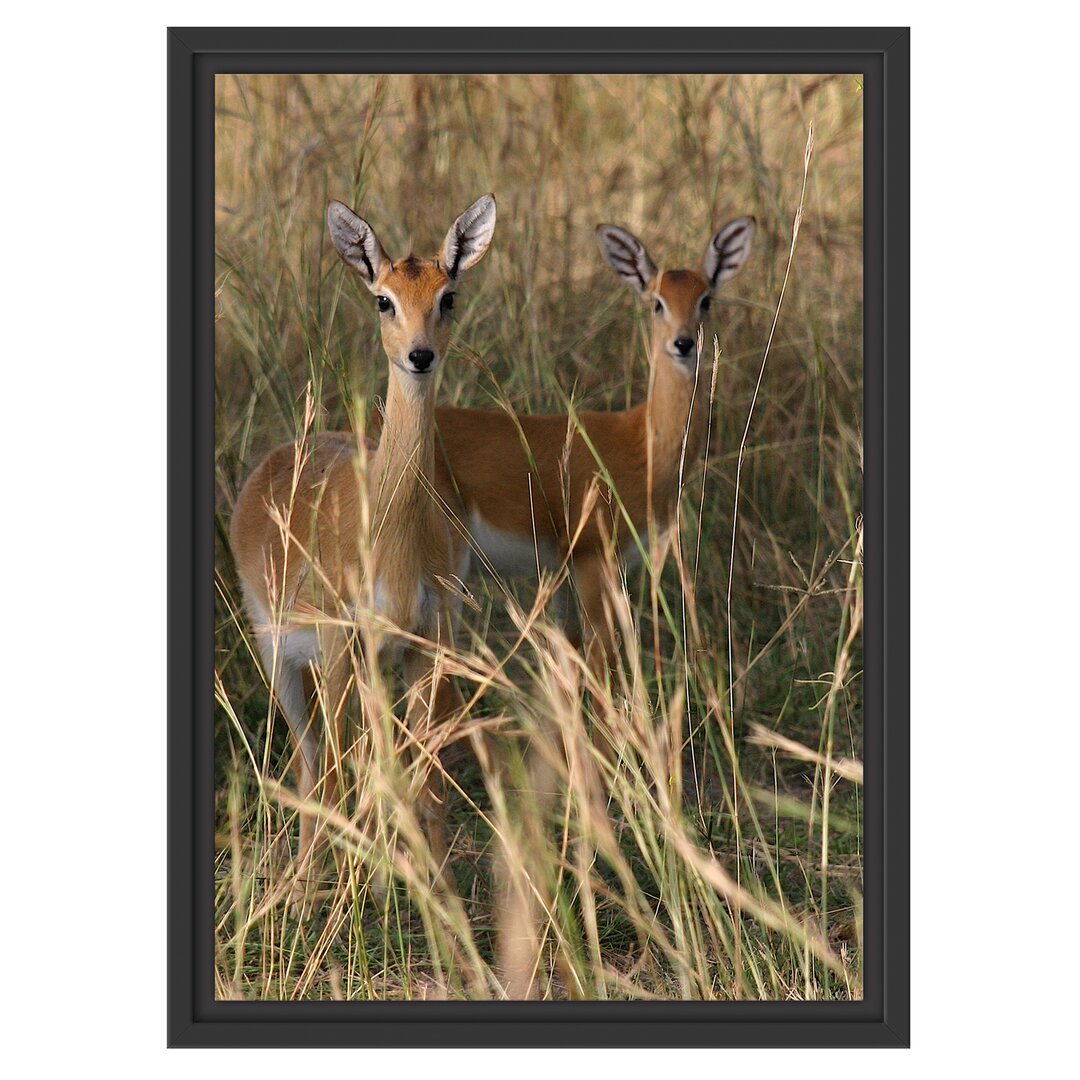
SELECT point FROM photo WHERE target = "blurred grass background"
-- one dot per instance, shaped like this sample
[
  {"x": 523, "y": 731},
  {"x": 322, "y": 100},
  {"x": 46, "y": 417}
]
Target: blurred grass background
[{"x": 760, "y": 795}]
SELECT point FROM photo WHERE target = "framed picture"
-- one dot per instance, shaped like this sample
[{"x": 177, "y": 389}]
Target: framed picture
[{"x": 538, "y": 407}]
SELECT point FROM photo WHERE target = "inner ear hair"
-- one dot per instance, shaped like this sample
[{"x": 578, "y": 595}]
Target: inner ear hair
[
  {"x": 728, "y": 250},
  {"x": 626, "y": 255},
  {"x": 355, "y": 241},
  {"x": 469, "y": 237}
]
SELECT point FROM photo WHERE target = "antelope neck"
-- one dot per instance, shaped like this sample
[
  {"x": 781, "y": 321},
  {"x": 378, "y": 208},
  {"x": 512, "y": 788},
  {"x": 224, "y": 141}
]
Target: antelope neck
[
  {"x": 405, "y": 459},
  {"x": 672, "y": 396}
]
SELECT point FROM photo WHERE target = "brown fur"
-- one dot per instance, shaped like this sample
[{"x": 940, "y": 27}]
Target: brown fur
[
  {"x": 481, "y": 461},
  {"x": 481, "y": 465},
  {"x": 409, "y": 538},
  {"x": 313, "y": 569}
]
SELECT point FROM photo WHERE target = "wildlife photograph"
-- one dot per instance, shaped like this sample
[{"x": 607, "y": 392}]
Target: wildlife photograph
[{"x": 538, "y": 478}]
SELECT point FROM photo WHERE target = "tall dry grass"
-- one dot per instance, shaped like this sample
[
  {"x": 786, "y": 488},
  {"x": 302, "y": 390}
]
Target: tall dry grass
[{"x": 717, "y": 851}]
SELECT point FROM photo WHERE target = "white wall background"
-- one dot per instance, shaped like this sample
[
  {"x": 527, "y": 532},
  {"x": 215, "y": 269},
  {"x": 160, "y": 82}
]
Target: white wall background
[{"x": 994, "y": 576}]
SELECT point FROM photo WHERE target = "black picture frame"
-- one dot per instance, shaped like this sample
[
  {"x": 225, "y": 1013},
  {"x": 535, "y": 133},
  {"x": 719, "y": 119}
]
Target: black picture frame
[{"x": 195, "y": 55}]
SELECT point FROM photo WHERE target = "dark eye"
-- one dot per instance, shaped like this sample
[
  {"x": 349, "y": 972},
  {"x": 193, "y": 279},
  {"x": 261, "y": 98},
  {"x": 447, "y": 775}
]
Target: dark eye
[
  {"x": 659, "y": 307},
  {"x": 384, "y": 303},
  {"x": 447, "y": 302},
  {"x": 706, "y": 303}
]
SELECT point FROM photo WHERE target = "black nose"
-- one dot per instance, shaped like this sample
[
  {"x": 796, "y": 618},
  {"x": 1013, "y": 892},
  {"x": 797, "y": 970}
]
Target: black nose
[
  {"x": 421, "y": 359},
  {"x": 684, "y": 346}
]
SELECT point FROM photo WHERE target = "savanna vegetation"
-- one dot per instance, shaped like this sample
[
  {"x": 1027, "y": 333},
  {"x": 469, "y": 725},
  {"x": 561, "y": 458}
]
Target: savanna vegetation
[{"x": 719, "y": 855}]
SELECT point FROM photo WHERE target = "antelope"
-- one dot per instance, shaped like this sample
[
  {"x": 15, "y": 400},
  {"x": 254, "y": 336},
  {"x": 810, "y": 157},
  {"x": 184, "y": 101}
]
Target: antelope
[
  {"x": 306, "y": 516},
  {"x": 526, "y": 514},
  {"x": 526, "y": 488}
]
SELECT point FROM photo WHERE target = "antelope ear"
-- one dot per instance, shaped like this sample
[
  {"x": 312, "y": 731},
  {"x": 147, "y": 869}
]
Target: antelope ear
[
  {"x": 728, "y": 250},
  {"x": 356, "y": 241},
  {"x": 469, "y": 237},
  {"x": 626, "y": 255}
]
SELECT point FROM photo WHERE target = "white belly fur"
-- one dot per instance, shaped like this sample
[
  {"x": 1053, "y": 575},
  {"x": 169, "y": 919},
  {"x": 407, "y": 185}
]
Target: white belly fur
[
  {"x": 509, "y": 554},
  {"x": 298, "y": 646},
  {"x": 295, "y": 647}
]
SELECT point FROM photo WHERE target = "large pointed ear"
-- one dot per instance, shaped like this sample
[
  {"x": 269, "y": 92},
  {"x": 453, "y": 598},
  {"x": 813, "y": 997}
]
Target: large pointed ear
[
  {"x": 728, "y": 250},
  {"x": 469, "y": 237},
  {"x": 356, "y": 241},
  {"x": 626, "y": 255}
]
